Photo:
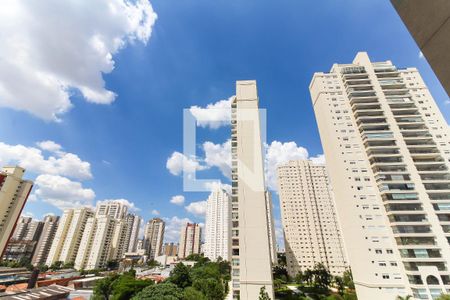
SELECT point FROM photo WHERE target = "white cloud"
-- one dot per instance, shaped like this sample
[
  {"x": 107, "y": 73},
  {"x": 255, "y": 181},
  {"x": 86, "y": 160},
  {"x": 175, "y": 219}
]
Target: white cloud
[
  {"x": 197, "y": 208},
  {"x": 51, "y": 47},
  {"x": 214, "y": 185},
  {"x": 62, "y": 192},
  {"x": 178, "y": 162},
  {"x": 219, "y": 155},
  {"x": 277, "y": 153},
  {"x": 27, "y": 214},
  {"x": 155, "y": 212},
  {"x": 215, "y": 115},
  {"x": 420, "y": 54},
  {"x": 49, "y": 146},
  {"x": 32, "y": 159},
  {"x": 173, "y": 228},
  {"x": 131, "y": 206},
  {"x": 318, "y": 159},
  {"x": 177, "y": 200}
]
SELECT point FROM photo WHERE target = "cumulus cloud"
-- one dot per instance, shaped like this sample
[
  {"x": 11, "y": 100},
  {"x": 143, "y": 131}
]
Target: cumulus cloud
[
  {"x": 63, "y": 192},
  {"x": 420, "y": 54},
  {"x": 215, "y": 115},
  {"x": 214, "y": 185},
  {"x": 277, "y": 153},
  {"x": 197, "y": 208},
  {"x": 318, "y": 160},
  {"x": 178, "y": 163},
  {"x": 173, "y": 228},
  {"x": 219, "y": 155},
  {"x": 155, "y": 212},
  {"x": 131, "y": 206},
  {"x": 50, "y": 48},
  {"x": 177, "y": 200},
  {"x": 33, "y": 160}
]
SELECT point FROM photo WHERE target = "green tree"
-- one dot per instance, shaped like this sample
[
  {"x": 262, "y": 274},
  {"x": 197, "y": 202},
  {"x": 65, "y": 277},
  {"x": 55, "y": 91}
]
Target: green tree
[
  {"x": 162, "y": 291},
  {"x": 299, "y": 278},
  {"x": 191, "y": 293},
  {"x": 199, "y": 258},
  {"x": 280, "y": 272},
  {"x": 104, "y": 287},
  {"x": 112, "y": 264},
  {"x": 56, "y": 265},
  {"x": 348, "y": 279},
  {"x": 308, "y": 276},
  {"x": 263, "y": 295},
  {"x": 180, "y": 276},
  {"x": 339, "y": 282},
  {"x": 322, "y": 277},
  {"x": 68, "y": 265},
  {"x": 126, "y": 286},
  {"x": 211, "y": 287},
  {"x": 407, "y": 297},
  {"x": 443, "y": 297}
]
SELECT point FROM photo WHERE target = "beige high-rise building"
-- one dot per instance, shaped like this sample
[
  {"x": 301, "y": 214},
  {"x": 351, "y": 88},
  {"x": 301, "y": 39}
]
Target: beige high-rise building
[
  {"x": 132, "y": 232},
  {"x": 154, "y": 237},
  {"x": 95, "y": 247},
  {"x": 387, "y": 148},
  {"x": 21, "y": 228},
  {"x": 252, "y": 239},
  {"x": 218, "y": 225},
  {"x": 310, "y": 226},
  {"x": 113, "y": 208},
  {"x": 190, "y": 240},
  {"x": 170, "y": 249},
  {"x": 14, "y": 192},
  {"x": 45, "y": 240},
  {"x": 68, "y": 235}
]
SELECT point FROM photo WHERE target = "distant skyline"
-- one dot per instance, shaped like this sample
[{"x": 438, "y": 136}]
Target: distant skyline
[{"x": 92, "y": 99}]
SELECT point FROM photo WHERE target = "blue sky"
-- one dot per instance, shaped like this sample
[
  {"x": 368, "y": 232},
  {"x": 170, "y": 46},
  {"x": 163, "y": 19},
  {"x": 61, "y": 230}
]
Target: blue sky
[{"x": 192, "y": 54}]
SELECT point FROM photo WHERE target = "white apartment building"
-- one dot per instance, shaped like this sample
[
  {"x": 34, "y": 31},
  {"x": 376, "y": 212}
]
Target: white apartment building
[
  {"x": 190, "y": 240},
  {"x": 251, "y": 246},
  {"x": 154, "y": 237},
  {"x": 95, "y": 249},
  {"x": 310, "y": 225},
  {"x": 133, "y": 225},
  {"x": 14, "y": 192},
  {"x": 34, "y": 231},
  {"x": 21, "y": 228},
  {"x": 387, "y": 148},
  {"x": 45, "y": 240},
  {"x": 68, "y": 235},
  {"x": 114, "y": 209},
  {"x": 218, "y": 225}
]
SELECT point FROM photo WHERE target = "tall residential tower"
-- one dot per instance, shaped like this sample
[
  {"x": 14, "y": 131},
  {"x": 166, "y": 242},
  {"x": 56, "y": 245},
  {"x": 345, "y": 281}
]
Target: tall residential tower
[
  {"x": 190, "y": 240},
  {"x": 251, "y": 248},
  {"x": 310, "y": 226},
  {"x": 154, "y": 237},
  {"x": 387, "y": 148},
  {"x": 14, "y": 192},
  {"x": 218, "y": 225}
]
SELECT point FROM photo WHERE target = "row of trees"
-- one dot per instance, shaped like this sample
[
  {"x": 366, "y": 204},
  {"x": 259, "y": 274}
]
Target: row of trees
[{"x": 206, "y": 280}]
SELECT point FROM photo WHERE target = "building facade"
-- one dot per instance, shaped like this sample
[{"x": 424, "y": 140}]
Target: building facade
[
  {"x": 190, "y": 240},
  {"x": 154, "y": 237},
  {"x": 387, "y": 148},
  {"x": 170, "y": 249},
  {"x": 251, "y": 248},
  {"x": 21, "y": 228},
  {"x": 218, "y": 226},
  {"x": 427, "y": 21},
  {"x": 45, "y": 240},
  {"x": 68, "y": 236},
  {"x": 310, "y": 225},
  {"x": 14, "y": 192},
  {"x": 133, "y": 225}
]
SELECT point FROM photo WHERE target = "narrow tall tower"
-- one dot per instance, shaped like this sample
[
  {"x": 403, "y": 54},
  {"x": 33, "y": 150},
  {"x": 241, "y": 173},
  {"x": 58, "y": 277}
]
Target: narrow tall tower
[
  {"x": 14, "y": 192},
  {"x": 218, "y": 225},
  {"x": 251, "y": 247},
  {"x": 311, "y": 231},
  {"x": 190, "y": 240},
  {"x": 45, "y": 240},
  {"x": 387, "y": 148},
  {"x": 154, "y": 237}
]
